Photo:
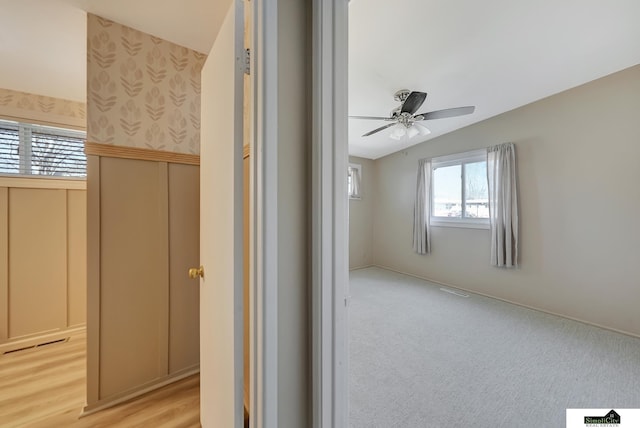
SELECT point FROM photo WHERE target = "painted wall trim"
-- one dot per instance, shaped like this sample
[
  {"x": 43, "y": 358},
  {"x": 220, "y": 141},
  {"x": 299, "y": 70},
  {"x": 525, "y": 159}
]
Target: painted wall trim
[
  {"x": 466, "y": 290},
  {"x": 109, "y": 150},
  {"x": 39, "y": 182}
]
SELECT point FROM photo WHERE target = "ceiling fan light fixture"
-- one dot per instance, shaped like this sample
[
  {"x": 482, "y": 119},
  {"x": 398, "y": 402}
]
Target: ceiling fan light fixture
[
  {"x": 422, "y": 130},
  {"x": 398, "y": 132},
  {"x": 413, "y": 131}
]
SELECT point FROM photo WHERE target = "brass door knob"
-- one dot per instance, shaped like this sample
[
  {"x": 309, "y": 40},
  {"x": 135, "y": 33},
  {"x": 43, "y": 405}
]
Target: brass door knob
[{"x": 194, "y": 273}]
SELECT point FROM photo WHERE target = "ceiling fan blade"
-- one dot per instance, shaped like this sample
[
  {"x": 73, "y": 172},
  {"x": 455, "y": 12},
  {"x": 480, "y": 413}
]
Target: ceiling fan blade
[
  {"x": 413, "y": 102},
  {"x": 371, "y": 117},
  {"x": 449, "y": 112},
  {"x": 382, "y": 128}
]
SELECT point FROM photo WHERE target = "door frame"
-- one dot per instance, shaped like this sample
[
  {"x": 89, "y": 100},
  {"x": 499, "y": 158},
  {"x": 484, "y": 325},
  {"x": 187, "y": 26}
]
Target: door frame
[
  {"x": 329, "y": 252},
  {"x": 330, "y": 228}
]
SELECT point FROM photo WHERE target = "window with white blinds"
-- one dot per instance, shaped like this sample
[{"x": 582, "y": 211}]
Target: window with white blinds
[{"x": 40, "y": 150}]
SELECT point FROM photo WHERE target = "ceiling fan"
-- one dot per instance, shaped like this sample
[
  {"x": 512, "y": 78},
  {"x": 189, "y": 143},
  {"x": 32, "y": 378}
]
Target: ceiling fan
[{"x": 406, "y": 119}]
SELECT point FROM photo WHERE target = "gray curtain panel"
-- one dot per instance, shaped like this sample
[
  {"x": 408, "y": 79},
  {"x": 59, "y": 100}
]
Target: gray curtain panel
[
  {"x": 503, "y": 204},
  {"x": 422, "y": 209}
]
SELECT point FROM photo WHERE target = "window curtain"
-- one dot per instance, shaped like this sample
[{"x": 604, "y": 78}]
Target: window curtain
[
  {"x": 503, "y": 204},
  {"x": 422, "y": 209}
]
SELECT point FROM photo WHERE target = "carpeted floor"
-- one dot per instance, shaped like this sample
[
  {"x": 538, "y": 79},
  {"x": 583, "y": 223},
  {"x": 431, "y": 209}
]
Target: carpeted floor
[{"x": 420, "y": 357}]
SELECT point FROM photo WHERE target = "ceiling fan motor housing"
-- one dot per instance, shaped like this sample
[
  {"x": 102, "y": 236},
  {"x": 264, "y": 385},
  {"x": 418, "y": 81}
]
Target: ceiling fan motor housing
[{"x": 401, "y": 95}]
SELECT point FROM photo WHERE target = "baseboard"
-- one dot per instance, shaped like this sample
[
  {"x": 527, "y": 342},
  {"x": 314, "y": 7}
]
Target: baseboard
[
  {"x": 34, "y": 340},
  {"x": 361, "y": 267},
  {"x": 626, "y": 333},
  {"x": 119, "y": 398}
]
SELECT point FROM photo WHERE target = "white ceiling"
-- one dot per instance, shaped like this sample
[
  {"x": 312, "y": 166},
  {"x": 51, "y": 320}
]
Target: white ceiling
[
  {"x": 43, "y": 42},
  {"x": 494, "y": 54}
]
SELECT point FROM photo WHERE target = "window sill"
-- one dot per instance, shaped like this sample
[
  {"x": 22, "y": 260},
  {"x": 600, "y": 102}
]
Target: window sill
[{"x": 460, "y": 224}]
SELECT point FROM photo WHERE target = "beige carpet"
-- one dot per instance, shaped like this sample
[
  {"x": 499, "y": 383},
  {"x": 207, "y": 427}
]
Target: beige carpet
[{"x": 420, "y": 357}]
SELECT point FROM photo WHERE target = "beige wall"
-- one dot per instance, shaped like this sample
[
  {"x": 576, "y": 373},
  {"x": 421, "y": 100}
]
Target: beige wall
[
  {"x": 31, "y": 108},
  {"x": 361, "y": 217},
  {"x": 142, "y": 91},
  {"x": 577, "y": 156},
  {"x": 143, "y": 211},
  {"x": 42, "y": 260}
]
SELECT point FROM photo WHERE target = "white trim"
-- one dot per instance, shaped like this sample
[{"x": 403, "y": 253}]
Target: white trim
[
  {"x": 468, "y": 223},
  {"x": 452, "y": 159},
  {"x": 473, "y": 156},
  {"x": 238, "y": 203},
  {"x": 264, "y": 223},
  {"x": 330, "y": 274}
]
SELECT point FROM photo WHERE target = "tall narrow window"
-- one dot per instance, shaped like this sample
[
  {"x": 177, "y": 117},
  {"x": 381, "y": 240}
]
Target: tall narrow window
[{"x": 354, "y": 181}]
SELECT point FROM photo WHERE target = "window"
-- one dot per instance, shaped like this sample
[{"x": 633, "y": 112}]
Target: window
[
  {"x": 40, "y": 150},
  {"x": 354, "y": 180},
  {"x": 460, "y": 190}
]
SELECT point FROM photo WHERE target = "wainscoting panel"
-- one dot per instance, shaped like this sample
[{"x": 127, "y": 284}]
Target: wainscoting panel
[
  {"x": 42, "y": 260},
  {"x": 184, "y": 246},
  {"x": 37, "y": 261},
  {"x": 77, "y": 257},
  {"x": 141, "y": 245},
  {"x": 133, "y": 287}
]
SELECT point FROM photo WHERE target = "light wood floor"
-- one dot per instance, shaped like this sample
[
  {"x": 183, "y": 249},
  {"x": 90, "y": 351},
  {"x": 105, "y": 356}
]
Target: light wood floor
[{"x": 45, "y": 387}]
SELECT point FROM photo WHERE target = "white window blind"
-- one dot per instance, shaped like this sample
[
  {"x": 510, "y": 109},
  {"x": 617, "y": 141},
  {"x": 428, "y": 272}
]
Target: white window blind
[{"x": 39, "y": 150}]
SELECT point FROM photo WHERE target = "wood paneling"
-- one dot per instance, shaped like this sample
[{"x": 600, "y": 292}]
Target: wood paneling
[
  {"x": 133, "y": 284},
  {"x": 184, "y": 245},
  {"x": 37, "y": 261},
  {"x": 76, "y": 257},
  {"x": 135, "y": 153},
  {"x": 42, "y": 261},
  {"x": 143, "y": 228}
]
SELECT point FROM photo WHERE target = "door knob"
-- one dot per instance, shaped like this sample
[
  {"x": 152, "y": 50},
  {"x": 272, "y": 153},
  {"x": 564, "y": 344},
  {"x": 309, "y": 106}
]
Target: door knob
[{"x": 194, "y": 273}]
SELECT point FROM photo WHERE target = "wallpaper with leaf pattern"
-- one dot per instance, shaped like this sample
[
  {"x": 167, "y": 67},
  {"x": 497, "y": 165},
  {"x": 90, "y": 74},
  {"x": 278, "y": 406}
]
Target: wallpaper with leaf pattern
[
  {"x": 30, "y": 107},
  {"x": 142, "y": 91}
]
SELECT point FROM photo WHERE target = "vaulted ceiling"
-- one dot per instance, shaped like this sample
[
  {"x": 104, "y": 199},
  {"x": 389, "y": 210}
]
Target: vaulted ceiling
[{"x": 494, "y": 54}]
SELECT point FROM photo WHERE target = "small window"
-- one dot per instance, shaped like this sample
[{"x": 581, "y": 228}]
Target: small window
[
  {"x": 40, "y": 150},
  {"x": 460, "y": 190},
  {"x": 354, "y": 181}
]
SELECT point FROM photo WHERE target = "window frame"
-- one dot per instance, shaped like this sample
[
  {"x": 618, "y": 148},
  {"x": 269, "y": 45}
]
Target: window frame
[
  {"x": 25, "y": 132},
  {"x": 461, "y": 159}
]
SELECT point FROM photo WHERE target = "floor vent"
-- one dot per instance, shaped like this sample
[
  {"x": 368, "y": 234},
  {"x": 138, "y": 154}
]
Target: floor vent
[
  {"x": 39, "y": 345},
  {"x": 457, "y": 293},
  {"x": 66, "y": 339}
]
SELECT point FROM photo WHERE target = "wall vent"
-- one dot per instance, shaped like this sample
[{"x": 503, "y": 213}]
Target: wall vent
[
  {"x": 457, "y": 293},
  {"x": 39, "y": 345}
]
